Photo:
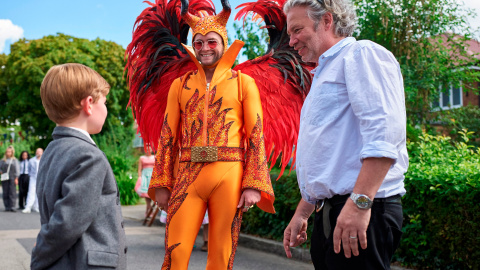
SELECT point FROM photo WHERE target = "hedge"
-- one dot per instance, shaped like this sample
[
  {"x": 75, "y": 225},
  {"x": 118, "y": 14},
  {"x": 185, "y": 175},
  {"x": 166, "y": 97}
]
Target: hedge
[
  {"x": 441, "y": 207},
  {"x": 117, "y": 146}
]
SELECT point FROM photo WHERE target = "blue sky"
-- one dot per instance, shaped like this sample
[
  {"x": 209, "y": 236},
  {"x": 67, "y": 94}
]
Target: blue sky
[{"x": 106, "y": 19}]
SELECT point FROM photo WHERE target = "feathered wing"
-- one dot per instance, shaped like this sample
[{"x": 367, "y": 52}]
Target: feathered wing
[
  {"x": 155, "y": 58},
  {"x": 283, "y": 80}
]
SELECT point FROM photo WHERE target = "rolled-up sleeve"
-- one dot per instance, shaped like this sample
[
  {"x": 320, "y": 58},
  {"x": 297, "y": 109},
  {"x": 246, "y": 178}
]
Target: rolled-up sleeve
[{"x": 376, "y": 93}]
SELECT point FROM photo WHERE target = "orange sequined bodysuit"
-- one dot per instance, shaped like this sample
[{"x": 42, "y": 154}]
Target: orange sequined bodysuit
[{"x": 227, "y": 114}]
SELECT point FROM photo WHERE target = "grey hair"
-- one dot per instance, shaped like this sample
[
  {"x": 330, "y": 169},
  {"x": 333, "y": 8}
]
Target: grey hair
[{"x": 343, "y": 12}]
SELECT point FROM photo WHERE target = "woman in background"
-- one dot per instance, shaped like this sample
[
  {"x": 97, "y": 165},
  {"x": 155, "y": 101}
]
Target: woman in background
[
  {"x": 145, "y": 168},
  {"x": 9, "y": 164},
  {"x": 23, "y": 180}
]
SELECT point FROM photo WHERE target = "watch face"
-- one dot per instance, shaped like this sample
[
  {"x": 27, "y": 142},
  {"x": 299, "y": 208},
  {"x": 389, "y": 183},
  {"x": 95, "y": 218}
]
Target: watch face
[{"x": 363, "y": 202}]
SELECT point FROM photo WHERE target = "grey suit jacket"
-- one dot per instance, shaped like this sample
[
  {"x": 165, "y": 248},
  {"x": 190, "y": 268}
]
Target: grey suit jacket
[{"x": 80, "y": 214}]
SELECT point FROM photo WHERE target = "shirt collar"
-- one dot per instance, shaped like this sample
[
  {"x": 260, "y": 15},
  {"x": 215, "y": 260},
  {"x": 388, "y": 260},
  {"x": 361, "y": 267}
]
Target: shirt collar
[
  {"x": 334, "y": 50},
  {"x": 337, "y": 47},
  {"x": 84, "y": 132}
]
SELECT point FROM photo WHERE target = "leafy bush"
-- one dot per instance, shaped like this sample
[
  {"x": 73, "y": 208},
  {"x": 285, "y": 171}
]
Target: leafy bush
[
  {"x": 287, "y": 196},
  {"x": 117, "y": 146},
  {"x": 126, "y": 185},
  {"x": 455, "y": 120},
  {"x": 441, "y": 207},
  {"x": 28, "y": 143}
]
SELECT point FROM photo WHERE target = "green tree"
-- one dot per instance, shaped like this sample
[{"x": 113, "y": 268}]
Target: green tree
[
  {"x": 419, "y": 34},
  {"x": 3, "y": 83},
  {"x": 255, "y": 38},
  {"x": 30, "y": 60}
]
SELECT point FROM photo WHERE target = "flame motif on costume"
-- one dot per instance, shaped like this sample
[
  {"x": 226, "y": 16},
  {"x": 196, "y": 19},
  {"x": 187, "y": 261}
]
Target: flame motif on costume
[
  {"x": 236, "y": 224},
  {"x": 256, "y": 162},
  {"x": 165, "y": 76},
  {"x": 167, "y": 149}
]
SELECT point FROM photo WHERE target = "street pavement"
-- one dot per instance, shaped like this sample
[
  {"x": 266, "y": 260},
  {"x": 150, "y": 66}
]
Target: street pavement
[{"x": 18, "y": 232}]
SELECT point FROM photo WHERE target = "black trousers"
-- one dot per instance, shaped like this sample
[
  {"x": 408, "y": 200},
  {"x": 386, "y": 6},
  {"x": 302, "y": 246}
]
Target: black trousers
[
  {"x": 9, "y": 194},
  {"x": 383, "y": 237},
  {"x": 23, "y": 181}
]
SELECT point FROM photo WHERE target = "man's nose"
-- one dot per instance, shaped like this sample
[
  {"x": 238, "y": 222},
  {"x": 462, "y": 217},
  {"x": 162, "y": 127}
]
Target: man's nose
[{"x": 292, "y": 41}]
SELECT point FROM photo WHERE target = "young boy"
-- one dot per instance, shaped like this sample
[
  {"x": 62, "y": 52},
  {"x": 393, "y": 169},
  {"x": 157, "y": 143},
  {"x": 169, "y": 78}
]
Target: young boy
[{"x": 79, "y": 203}]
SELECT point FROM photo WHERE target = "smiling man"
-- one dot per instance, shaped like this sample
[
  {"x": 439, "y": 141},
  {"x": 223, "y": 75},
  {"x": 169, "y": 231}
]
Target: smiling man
[{"x": 351, "y": 152}]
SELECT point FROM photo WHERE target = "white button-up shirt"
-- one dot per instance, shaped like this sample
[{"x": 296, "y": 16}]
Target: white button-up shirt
[
  {"x": 355, "y": 110},
  {"x": 33, "y": 168}
]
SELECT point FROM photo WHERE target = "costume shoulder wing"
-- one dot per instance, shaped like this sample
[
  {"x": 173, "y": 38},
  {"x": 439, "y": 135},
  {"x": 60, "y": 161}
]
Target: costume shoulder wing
[
  {"x": 155, "y": 58},
  {"x": 283, "y": 80}
]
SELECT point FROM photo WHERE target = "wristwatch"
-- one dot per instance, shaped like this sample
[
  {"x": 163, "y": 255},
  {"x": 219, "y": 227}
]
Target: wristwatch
[{"x": 361, "y": 200}]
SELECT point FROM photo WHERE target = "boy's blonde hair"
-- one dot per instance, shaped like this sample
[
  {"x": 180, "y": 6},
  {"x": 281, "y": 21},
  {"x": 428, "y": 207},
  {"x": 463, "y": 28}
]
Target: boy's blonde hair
[{"x": 64, "y": 87}]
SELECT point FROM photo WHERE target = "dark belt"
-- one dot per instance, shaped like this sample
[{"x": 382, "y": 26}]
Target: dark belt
[{"x": 327, "y": 204}]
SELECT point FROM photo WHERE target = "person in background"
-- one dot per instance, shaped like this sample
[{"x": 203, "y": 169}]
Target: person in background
[
  {"x": 9, "y": 164},
  {"x": 23, "y": 180},
  {"x": 32, "y": 199},
  {"x": 145, "y": 168},
  {"x": 351, "y": 151},
  {"x": 205, "y": 234}
]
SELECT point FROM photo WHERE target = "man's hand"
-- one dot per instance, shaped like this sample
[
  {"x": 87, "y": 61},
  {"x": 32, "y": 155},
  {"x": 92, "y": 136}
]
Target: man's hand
[
  {"x": 162, "y": 196},
  {"x": 295, "y": 234},
  {"x": 351, "y": 229},
  {"x": 352, "y": 223},
  {"x": 249, "y": 198}
]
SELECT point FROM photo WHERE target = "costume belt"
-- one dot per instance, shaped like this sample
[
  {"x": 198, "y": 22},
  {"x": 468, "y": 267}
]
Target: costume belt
[{"x": 211, "y": 154}]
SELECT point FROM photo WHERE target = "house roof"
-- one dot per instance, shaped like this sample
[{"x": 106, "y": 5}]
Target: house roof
[{"x": 474, "y": 48}]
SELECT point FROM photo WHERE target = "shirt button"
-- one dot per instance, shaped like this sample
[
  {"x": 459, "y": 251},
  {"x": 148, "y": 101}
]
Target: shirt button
[
  {"x": 126, "y": 249},
  {"x": 121, "y": 224}
]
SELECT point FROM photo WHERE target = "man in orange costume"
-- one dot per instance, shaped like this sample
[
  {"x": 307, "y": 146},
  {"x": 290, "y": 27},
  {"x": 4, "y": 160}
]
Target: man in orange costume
[{"x": 213, "y": 126}]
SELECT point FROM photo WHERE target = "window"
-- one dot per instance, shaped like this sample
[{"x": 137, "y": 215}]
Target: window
[{"x": 449, "y": 99}]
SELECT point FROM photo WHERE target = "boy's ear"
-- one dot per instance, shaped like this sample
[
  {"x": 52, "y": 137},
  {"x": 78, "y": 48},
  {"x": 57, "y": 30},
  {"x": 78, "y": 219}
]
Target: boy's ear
[{"x": 87, "y": 105}]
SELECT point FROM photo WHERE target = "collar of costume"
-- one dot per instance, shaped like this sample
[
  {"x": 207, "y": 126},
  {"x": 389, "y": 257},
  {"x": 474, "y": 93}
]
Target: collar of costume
[
  {"x": 224, "y": 64},
  {"x": 204, "y": 25}
]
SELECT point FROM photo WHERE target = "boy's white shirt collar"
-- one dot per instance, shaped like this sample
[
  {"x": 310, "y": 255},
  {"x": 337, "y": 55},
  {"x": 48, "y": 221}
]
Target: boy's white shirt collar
[{"x": 84, "y": 132}]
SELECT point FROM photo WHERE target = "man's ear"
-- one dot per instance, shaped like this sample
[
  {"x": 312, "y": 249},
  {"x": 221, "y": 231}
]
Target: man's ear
[
  {"x": 87, "y": 105},
  {"x": 328, "y": 20}
]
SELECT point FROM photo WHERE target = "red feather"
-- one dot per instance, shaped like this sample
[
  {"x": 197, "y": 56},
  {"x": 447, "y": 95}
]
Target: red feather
[{"x": 283, "y": 81}]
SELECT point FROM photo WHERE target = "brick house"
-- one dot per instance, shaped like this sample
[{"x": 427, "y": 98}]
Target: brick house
[{"x": 456, "y": 96}]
